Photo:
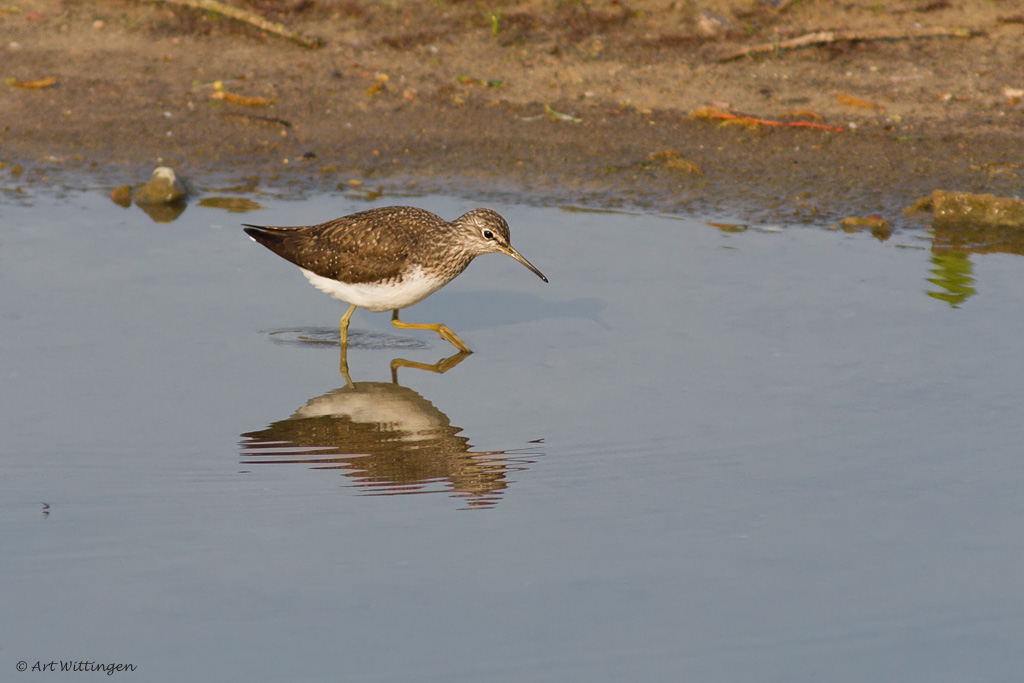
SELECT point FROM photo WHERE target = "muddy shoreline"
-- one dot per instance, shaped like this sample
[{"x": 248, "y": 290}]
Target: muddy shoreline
[{"x": 591, "y": 107}]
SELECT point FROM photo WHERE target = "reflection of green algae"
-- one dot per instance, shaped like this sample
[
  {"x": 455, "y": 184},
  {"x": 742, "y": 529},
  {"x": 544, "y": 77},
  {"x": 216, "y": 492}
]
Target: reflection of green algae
[
  {"x": 969, "y": 238},
  {"x": 569, "y": 208},
  {"x": 953, "y": 274},
  {"x": 164, "y": 213},
  {"x": 232, "y": 204}
]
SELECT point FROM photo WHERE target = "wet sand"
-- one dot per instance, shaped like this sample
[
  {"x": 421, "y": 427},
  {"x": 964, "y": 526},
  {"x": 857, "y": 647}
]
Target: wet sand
[{"x": 581, "y": 103}]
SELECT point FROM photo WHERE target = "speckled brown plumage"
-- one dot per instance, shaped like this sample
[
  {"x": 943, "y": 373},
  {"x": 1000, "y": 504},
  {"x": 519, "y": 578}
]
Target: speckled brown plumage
[{"x": 377, "y": 245}]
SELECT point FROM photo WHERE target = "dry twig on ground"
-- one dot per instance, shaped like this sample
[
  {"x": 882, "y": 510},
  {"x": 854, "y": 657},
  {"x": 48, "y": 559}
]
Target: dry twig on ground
[
  {"x": 250, "y": 18},
  {"x": 828, "y": 37}
]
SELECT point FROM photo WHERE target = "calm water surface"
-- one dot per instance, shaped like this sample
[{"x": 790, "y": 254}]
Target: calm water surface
[{"x": 784, "y": 454}]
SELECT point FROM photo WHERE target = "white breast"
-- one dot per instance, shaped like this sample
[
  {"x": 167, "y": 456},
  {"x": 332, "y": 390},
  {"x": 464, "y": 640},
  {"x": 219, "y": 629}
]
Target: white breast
[{"x": 414, "y": 287}]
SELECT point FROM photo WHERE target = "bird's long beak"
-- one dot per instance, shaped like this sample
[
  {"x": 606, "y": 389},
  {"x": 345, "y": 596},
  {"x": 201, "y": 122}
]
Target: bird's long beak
[{"x": 519, "y": 257}]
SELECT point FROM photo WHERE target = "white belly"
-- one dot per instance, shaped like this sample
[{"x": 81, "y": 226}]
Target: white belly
[{"x": 413, "y": 288}]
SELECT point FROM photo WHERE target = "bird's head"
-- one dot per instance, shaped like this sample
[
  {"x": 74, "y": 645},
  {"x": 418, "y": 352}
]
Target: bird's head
[{"x": 484, "y": 231}]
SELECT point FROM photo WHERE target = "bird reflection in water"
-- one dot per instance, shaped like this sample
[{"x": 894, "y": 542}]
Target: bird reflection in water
[{"x": 389, "y": 440}]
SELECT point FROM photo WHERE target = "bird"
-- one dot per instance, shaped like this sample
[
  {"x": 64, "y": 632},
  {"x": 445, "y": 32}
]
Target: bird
[{"x": 389, "y": 258}]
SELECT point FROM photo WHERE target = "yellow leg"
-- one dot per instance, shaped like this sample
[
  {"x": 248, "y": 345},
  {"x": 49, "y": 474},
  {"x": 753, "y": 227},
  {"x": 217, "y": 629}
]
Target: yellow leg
[
  {"x": 440, "y": 367},
  {"x": 442, "y": 331},
  {"x": 344, "y": 367},
  {"x": 344, "y": 325}
]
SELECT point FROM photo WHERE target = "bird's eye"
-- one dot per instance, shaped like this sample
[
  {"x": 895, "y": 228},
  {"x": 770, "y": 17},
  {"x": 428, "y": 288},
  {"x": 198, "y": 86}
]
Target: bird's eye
[{"x": 488, "y": 235}]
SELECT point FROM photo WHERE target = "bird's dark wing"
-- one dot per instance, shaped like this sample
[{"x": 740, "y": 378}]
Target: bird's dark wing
[{"x": 370, "y": 246}]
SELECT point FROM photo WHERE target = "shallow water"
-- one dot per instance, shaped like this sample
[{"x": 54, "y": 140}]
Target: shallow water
[{"x": 782, "y": 454}]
